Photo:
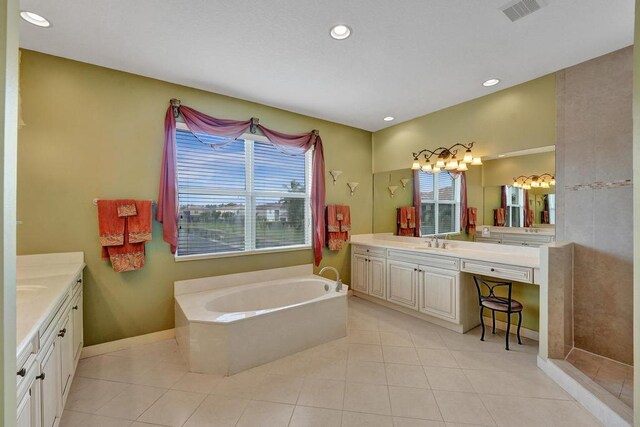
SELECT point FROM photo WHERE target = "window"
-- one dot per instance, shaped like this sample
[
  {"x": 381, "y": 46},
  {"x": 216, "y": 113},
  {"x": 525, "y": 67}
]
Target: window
[
  {"x": 515, "y": 207},
  {"x": 244, "y": 195},
  {"x": 440, "y": 200}
]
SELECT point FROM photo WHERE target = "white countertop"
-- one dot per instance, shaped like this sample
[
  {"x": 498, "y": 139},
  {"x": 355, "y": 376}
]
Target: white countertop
[
  {"x": 509, "y": 255},
  {"x": 42, "y": 281}
]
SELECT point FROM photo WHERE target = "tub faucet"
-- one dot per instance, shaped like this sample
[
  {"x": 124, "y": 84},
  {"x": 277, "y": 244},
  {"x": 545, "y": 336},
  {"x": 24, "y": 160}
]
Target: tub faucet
[{"x": 338, "y": 281}]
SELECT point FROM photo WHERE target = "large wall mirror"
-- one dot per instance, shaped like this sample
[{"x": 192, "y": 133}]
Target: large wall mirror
[{"x": 490, "y": 190}]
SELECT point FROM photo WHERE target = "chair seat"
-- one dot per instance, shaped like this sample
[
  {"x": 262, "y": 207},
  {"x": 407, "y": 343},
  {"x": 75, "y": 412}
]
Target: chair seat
[{"x": 499, "y": 304}]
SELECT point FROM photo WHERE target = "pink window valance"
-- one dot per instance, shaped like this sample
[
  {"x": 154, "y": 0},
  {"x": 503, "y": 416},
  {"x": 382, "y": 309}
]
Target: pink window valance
[{"x": 197, "y": 122}]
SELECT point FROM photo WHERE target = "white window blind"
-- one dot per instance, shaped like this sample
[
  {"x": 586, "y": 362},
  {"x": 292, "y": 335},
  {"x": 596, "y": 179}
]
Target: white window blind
[
  {"x": 440, "y": 202},
  {"x": 243, "y": 195},
  {"x": 515, "y": 207}
]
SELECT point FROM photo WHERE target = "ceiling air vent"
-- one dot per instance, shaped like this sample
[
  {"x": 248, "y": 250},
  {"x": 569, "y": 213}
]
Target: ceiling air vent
[{"x": 520, "y": 8}]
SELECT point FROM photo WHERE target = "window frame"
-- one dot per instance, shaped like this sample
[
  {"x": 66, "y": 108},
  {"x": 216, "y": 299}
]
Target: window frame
[
  {"x": 250, "y": 196},
  {"x": 520, "y": 205},
  {"x": 436, "y": 202}
]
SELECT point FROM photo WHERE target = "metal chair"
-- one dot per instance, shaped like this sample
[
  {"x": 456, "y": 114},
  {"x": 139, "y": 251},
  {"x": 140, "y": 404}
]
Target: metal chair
[{"x": 488, "y": 299}]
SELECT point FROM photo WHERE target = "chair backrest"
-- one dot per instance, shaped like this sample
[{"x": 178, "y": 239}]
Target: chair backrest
[{"x": 486, "y": 289}]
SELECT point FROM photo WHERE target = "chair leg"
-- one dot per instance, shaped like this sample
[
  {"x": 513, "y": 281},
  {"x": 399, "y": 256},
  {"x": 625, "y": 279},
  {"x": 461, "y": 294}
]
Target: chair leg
[
  {"x": 482, "y": 322},
  {"x": 508, "y": 329},
  {"x": 493, "y": 325},
  {"x": 519, "y": 324}
]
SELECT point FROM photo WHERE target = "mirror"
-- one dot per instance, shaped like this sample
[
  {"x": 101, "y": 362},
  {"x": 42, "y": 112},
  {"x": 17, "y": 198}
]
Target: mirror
[{"x": 485, "y": 185}]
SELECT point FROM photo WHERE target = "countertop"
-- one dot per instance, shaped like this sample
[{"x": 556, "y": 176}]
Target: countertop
[
  {"x": 42, "y": 282},
  {"x": 508, "y": 255}
]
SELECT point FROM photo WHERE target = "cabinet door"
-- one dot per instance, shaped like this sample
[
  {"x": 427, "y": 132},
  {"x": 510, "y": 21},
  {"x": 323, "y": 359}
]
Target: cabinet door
[
  {"x": 65, "y": 337},
  {"x": 377, "y": 277},
  {"x": 50, "y": 385},
  {"x": 76, "y": 311},
  {"x": 360, "y": 273},
  {"x": 401, "y": 283},
  {"x": 438, "y": 292},
  {"x": 26, "y": 410}
]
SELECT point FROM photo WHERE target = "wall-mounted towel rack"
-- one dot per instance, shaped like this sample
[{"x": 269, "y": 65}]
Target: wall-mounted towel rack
[{"x": 95, "y": 202}]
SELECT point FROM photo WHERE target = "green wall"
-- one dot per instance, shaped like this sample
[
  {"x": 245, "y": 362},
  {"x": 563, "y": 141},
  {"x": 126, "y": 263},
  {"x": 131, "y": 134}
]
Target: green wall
[
  {"x": 517, "y": 118},
  {"x": 636, "y": 218},
  {"x": 93, "y": 132}
]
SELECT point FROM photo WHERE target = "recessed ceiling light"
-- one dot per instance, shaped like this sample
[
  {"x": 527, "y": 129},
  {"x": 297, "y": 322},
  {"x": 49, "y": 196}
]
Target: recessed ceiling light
[
  {"x": 389, "y": 119},
  {"x": 491, "y": 82},
  {"x": 35, "y": 19},
  {"x": 340, "y": 32}
]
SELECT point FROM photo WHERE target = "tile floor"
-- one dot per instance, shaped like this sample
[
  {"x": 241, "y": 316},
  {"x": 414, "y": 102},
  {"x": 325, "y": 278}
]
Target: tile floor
[
  {"x": 616, "y": 378},
  {"x": 391, "y": 370}
]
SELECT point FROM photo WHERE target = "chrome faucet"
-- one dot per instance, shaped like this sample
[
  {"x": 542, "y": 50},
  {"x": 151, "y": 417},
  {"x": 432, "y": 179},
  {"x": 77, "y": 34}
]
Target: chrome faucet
[{"x": 338, "y": 281}]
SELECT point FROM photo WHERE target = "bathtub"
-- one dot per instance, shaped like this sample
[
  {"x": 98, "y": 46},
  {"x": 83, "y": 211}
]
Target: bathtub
[{"x": 226, "y": 324}]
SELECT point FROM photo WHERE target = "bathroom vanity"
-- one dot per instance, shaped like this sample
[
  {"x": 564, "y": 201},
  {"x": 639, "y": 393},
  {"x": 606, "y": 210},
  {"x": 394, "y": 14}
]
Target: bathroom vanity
[
  {"x": 49, "y": 334},
  {"x": 405, "y": 274},
  {"x": 516, "y": 236}
]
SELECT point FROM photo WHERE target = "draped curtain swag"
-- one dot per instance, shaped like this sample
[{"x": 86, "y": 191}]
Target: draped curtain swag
[{"x": 197, "y": 122}]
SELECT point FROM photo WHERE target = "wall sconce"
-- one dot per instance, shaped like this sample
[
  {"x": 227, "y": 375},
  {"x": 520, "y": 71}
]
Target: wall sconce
[
  {"x": 446, "y": 158},
  {"x": 546, "y": 180},
  {"x": 392, "y": 190},
  {"x": 404, "y": 182},
  {"x": 352, "y": 186},
  {"x": 335, "y": 175}
]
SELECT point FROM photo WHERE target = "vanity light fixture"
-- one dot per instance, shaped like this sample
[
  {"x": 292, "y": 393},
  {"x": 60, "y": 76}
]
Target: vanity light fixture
[
  {"x": 35, "y": 19},
  {"x": 340, "y": 32},
  {"x": 389, "y": 119},
  {"x": 491, "y": 82},
  {"x": 446, "y": 158},
  {"x": 546, "y": 180}
]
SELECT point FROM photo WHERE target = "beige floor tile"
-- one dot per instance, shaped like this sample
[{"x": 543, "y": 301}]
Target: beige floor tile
[
  {"x": 330, "y": 369},
  {"x": 396, "y": 339},
  {"x": 366, "y": 372},
  {"x": 338, "y": 349},
  {"x": 356, "y": 419},
  {"x": 363, "y": 323},
  {"x": 406, "y": 355},
  {"x": 428, "y": 340},
  {"x": 448, "y": 379},
  {"x": 261, "y": 414},
  {"x": 92, "y": 394},
  {"x": 523, "y": 384},
  {"x": 241, "y": 385},
  {"x": 79, "y": 419},
  {"x": 365, "y": 352},
  {"x": 217, "y": 411},
  {"x": 525, "y": 412},
  {"x": 173, "y": 408},
  {"x": 360, "y": 336},
  {"x": 131, "y": 402},
  {"x": 406, "y": 375},
  {"x": 436, "y": 357},
  {"x": 504, "y": 361},
  {"x": 368, "y": 398},
  {"x": 413, "y": 422},
  {"x": 139, "y": 424},
  {"x": 462, "y": 408},
  {"x": 304, "y": 416},
  {"x": 322, "y": 393},
  {"x": 279, "y": 389},
  {"x": 111, "y": 368},
  {"x": 296, "y": 365},
  {"x": 162, "y": 374},
  {"x": 197, "y": 383},
  {"x": 413, "y": 403}
]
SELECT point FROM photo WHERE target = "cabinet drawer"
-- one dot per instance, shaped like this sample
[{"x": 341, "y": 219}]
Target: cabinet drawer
[
  {"x": 369, "y": 250},
  {"x": 501, "y": 271},
  {"x": 426, "y": 259}
]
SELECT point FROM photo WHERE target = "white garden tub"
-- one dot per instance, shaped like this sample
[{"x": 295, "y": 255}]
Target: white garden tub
[{"x": 231, "y": 323}]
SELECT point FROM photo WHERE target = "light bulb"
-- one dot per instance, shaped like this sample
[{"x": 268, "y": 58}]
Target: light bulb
[
  {"x": 427, "y": 168},
  {"x": 416, "y": 165},
  {"x": 545, "y": 185},
  {"x": 535, "y": 184},
  {"x": 452, "y": 164},
  {"x": 440, "y": 163},
  {"x": 462, "y": 166},
  {"x": 468, "y": 156},
  {"x": 553, "y": 181},
  {"x": 477, "y": 161},
  {"x": 436, "y": 169},
  {"x": 526, "y": 186},
  {"x": 516, "y": 184}
]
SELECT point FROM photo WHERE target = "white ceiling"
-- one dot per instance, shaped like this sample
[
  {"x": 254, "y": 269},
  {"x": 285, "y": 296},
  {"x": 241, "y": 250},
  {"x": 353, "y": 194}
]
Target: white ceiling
[{"x": 405, "y": 58}]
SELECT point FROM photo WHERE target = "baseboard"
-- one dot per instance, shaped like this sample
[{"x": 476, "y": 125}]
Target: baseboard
[
  {"x": 108, "y": 347},
  {"x": 600, "y": 403},
  {"x": 524, "y": 332}
]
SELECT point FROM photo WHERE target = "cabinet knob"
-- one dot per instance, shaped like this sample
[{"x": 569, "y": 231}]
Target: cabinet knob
[
  {"x": 22, "y": 372},
  {"x": 493, "y": 269},
  {"x": 40, "y": 377},
  {"x": 79, "y": 281},
  {"x": 62, "y": 332},
  {"x": 75, "y": 307}
]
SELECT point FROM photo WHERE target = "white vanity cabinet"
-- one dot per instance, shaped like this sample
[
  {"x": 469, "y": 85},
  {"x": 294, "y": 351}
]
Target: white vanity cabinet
[
  {"x": 49, "y": 379},
  {"x": 402, "y": 283},
  {"x": 368, "y": 267},
  {"x": 439, "y": 290}
]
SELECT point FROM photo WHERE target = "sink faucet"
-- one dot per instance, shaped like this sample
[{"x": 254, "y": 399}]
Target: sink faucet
[
  {"x": 434, "y": 242},
  {"x": 338, "y": 281}
]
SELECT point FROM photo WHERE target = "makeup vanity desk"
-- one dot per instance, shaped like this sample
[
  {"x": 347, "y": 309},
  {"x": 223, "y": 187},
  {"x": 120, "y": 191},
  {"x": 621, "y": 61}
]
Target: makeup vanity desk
[{"x": 436, "y": 285}]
